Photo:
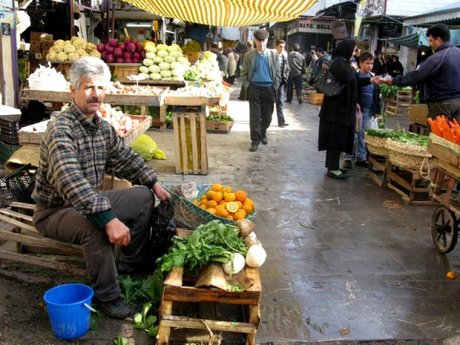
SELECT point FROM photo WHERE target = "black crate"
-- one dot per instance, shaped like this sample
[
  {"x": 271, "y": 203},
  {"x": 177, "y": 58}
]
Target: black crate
[
  {"x": 9, "y": 132},
  {"x": 5, "y": 194},
  {"x": 21, "y": 183}
]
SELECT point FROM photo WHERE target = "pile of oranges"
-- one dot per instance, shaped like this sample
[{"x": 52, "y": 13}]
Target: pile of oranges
[{"x": 222, "y": 201}]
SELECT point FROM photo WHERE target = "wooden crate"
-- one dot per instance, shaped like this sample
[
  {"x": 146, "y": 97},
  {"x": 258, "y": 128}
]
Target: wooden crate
[
  {"x": 409, "y": 184},
  {"x": 315, "y": 98},
  {"x": 401, "y": 104},
  {"x": 190, "y": 142},
  {"x": 121, "y": 71},
  {"x": 178, "y": 288},
  {"x": 419, "y": 129},
  {"x": 214, "y": 126},
  {"x": 377, "y": 168}
]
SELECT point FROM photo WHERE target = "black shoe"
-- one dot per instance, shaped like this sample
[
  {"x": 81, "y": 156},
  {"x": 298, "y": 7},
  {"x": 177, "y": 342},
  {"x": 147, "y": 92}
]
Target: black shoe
[
  {"x": 254, "y": 147},
  {"x": 284, "y": 125},
  {"x": 116, "y": 309},
  {"x": 341, "y": 176},
  {"x": 288, "y": 101},
  {"x": 363, "y": 164},
  {"x": 300, "y": 101},
  {"x": 264, "y": 141},
  {"x": 347, "y": 164}
]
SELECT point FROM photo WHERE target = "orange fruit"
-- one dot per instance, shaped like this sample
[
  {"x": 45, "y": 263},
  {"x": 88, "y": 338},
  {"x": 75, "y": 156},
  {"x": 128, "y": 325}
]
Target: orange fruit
[
  {"x": 230, "y": 197},
  {"x": 211, "y": 210},
  {"x": 222, "y": 202},
  {"x": 216, "y": 187},
  {"x": 248, "y": 200},
  {"x": 230, "y": 217},
  {"x": 212, "y": 203},
  {"x": 217, "y": 196},
  {"x": 222, "y": 212},
  {"x": 451, "y": 275},
  {"x": 248, "y": 208},
  {"x": 240, "y": 204},
  {"x": 203, "y": 206},
  {"x": 219, "y": 206},
  {"x": 240, "y": 214},
  {"x": 240, "y": 195},
  {"x": 210, "y": 194},
  {"x": 196, "y": 202},
  {"x": 227, "y": 189},
  {"x": 232, "y": 206}
]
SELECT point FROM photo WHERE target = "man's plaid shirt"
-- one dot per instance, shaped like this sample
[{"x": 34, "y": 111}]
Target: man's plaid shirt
[{"x": 74, "y": 155}]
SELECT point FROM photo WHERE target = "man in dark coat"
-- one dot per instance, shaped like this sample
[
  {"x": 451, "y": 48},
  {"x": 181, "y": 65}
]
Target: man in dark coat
[{"x": 338, "y": 113}]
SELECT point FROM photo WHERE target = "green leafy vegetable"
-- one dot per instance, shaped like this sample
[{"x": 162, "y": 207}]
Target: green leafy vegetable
[
  {"x": 210, "y": 242},
  {"x": 146, "y": 321},
  {"x": 400, "y": 136},
  {"x": 222, "y": 118}
]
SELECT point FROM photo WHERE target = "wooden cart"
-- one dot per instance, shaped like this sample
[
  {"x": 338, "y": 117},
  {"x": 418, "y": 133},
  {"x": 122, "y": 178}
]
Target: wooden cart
[{"x": 446, "y": 217}]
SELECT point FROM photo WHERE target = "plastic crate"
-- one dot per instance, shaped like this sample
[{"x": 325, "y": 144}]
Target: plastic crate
[
  {"x": 6, "y": 151},
  {"x": 9, "y": 131},
  {"x": 21, "y": 183},
  {"x": 5, "y": 194}
]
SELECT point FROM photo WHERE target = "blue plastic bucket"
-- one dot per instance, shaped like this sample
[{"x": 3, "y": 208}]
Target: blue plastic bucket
[{"x": 69, "y": 308}]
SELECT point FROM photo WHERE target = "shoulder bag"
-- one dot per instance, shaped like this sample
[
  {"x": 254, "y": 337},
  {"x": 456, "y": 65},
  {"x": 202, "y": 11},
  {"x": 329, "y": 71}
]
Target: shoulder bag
[{"x": 326, "y": 83}]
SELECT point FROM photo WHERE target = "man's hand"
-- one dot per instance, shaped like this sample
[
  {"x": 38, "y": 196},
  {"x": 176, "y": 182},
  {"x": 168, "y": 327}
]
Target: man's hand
[
  {"x": 161, "y": 193},
  {"x": 118, "y": 232}
]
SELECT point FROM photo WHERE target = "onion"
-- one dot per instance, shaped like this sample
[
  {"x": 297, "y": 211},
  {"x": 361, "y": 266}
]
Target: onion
[
  {"x": 100, "y": 47},
  {"x": 109, "y": 49},
  {"x": 117, "y": 52},
  {"x": 113, "y": 42},
  {"x": 110, "y": 58},
  {"x": 130, "y": 47}
]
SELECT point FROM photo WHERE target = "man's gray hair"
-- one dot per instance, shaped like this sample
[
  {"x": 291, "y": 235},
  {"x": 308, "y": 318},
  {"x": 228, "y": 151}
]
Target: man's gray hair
[{"x": 88, "y": 66}]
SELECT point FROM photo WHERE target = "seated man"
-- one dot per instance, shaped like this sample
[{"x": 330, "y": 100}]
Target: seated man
[{"x": 78, "y": 148}]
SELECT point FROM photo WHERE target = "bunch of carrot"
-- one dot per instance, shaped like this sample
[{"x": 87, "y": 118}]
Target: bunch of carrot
[{"x": 445, "y": 128}]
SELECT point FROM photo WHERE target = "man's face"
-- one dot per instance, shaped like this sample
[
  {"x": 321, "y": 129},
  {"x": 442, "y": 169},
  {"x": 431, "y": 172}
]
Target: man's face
[
  {"x": 261, "y": 44},
  {"x": 319, "y": 54},
  {"x": 435, "y": 42},
  {"x": 280, "y": 48},
  {"x": 89, "y": 96}
]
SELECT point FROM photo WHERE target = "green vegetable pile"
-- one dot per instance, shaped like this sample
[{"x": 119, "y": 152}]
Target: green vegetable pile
[
  {"x": 388, "y": 91},
  {"x": 401, "y": 136},
  {"x": 222, "y": 118},
  {"x": 191, "y": 75},
  {"x": 210, "y": 242}
]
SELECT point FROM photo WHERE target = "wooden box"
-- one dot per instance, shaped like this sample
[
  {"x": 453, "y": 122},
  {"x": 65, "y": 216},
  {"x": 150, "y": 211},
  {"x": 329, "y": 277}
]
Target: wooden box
[
  {"x": 121, "y": 71},
  {"x": 179, "y": 288},
  {"x": 190, "y": 142},
  {"x": 214, "y": 126},
  {"x": 418, "y": 114},
  {"x": 315, "y": 98}
]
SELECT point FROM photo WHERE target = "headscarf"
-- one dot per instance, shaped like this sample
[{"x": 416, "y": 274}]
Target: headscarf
[{"x": 344, "y": 49}]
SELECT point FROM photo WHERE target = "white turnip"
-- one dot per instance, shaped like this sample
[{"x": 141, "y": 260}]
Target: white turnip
[
  {"x": 256, "y": 256},
  {"x": 234, "y": 266}
]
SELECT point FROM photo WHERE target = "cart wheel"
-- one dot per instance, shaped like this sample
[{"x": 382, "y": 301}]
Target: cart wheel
[{"x": 444, "y": 229}]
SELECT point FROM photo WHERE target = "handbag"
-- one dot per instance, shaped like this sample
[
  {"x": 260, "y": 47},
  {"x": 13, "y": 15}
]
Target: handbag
[{"x": 325, "y": 83}]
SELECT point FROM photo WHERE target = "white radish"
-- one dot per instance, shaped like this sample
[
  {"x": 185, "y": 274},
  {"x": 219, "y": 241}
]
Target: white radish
[
  {"x": 256, "y": 256},
  {"x": 235, "y": 265}
]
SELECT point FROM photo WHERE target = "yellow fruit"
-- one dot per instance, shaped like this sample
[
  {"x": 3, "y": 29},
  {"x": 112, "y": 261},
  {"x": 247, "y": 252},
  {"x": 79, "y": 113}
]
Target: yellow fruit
[
  {"x": 227, "y": 189},
  {"x": 219, "y": 207},
  {"x": 240, "y": 214},
  {"x": 451, "y": 275},
  {"x": 230, "y": 197},
  {"x": 211, "y": 210},
  {"x": 222, "y": 212},
  {"x": 232, "y": 207},
  {"x": 248, "y": 200},
  {"x": 212, "y": 203},
  {"x": 196, "y": 202},
  {"x": 203, "y": 206},
  {"x": 248, "y": 208},
  {"x": 217, "y": 196},
  {"x": 240, "y": 204},
  {"x": 241, "y": 195},
  {"x": 217, "y": 187}
]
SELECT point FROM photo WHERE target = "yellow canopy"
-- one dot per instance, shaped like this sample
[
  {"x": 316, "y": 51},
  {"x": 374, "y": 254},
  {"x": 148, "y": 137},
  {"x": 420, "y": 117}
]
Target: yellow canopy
[{"x": 226, "y": 12}]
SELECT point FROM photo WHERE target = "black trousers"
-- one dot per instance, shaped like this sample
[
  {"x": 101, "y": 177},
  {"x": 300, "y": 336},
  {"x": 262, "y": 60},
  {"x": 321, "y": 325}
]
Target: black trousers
[
  {"x": 261, "y": 105},
  {"x": 333, "y": 159}
]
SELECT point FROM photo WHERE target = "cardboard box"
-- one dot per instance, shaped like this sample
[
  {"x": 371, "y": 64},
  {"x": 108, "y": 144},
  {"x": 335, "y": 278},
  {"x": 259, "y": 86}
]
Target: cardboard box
[
  {"x": 115, "y": 183},
  {"x": 35, "y": 47},
  {"x": 418, "y": 113}
]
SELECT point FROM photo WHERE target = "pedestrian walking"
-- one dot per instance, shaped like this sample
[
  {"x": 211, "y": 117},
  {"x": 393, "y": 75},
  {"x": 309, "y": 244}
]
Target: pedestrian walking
[
  {"x": 297, "y": 66},
  {"x": 281, "y": 92}
]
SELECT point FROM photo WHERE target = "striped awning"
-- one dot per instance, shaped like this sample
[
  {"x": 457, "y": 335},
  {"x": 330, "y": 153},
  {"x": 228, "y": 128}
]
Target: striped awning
[{"x": 226, "y": 12}]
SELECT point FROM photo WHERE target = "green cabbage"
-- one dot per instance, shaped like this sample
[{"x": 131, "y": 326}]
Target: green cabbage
[
  {"x": 155, "y": 76},
  {"x": 154, "y": 69},
  {"x": 147, "y": 62}
]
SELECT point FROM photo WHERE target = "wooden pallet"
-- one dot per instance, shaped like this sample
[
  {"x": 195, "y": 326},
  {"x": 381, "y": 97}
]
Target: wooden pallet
[
  {"x": 409, "y": 184},
  {"x": 29, "y": 243},
  {"x": 190, "y": 142},
  {"x": 377, "y": 169},
  {"x": 419, "y": 129},
  {"x": 180, "y": 288},
  {"x": 400, "y": 105}
]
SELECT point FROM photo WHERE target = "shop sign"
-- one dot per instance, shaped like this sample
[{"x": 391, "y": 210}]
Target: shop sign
[
  {"x": 312, "y": 26},
  {"x": 374, "y": 8},
  {"x": 6, "y": 6},
  {"x": 339, "y": 30}
]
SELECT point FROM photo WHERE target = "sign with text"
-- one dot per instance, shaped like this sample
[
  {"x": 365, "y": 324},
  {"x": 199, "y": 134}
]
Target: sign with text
[
  {"x": 312, "y": 26},
  {"x": 6, "y": 6}
]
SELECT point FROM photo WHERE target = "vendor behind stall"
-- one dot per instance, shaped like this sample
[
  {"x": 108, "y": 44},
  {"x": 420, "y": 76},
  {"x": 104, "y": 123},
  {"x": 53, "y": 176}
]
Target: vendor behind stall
[{"x": 78, "y": 148}]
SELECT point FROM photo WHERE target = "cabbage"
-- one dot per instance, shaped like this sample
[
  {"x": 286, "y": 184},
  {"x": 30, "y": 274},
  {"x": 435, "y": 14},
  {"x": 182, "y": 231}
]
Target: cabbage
[
  {"x": 157, "y": 60},
  {"x": 155, "y": 76},
  {"x": 154, "y": 69},
  {"x": 150, "y": 48},
  {"x": 174, "y": 47},
  {"x": 162, "y": 47},
  {"x": 169, "y": 59},
  {"x": 143, "y": 69},
  {"x": 210, "y": 55},
  {"x": 176, "y": 54},
  {"x": 162, "y": 53},
  {"x": 166, "y": 73},
  {"x": 147, "y": 62},
  {"x": 176, "y": 65},
  {"x": 150, "y": 55},
  {"x": 183, "y": 60},
  {"x": 163, "y": 65},
  {"x": 143, "y": 76}
]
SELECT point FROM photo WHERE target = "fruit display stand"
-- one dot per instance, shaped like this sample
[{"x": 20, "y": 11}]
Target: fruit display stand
[
  {"x": 179, "y": 288},
  {"x": 189, "y": 123}
]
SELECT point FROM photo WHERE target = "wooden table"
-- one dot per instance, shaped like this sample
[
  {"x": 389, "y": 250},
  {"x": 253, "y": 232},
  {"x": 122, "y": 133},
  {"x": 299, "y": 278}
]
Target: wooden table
[{"x": 113, "y": 99}]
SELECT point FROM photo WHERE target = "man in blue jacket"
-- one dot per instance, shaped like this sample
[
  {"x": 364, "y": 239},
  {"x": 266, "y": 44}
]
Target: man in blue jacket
[
  {"x": 440, "y": 74},
  {"x": 261, "y": 74}
]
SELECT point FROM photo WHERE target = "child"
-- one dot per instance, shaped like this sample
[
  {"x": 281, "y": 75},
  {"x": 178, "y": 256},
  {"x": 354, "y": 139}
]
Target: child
[{"x": 369, "y": 102}]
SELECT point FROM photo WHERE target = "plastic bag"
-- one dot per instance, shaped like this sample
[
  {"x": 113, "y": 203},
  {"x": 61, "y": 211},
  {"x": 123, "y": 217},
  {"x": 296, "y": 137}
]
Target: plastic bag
[
  {"x": 359, "y": 121},
  {"x": 374, "y": 123},
  {"x": 163, "y": 228},
  {"x": 144, "y": 146}
]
